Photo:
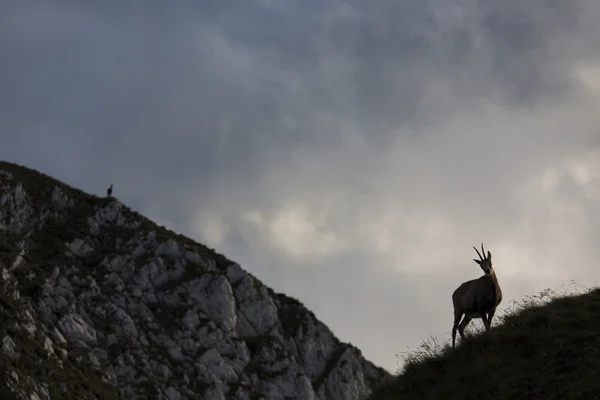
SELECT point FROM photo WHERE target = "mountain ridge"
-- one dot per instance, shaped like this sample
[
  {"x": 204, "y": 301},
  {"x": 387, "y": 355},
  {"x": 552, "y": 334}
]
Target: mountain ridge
[{"x": 118, "y": 305}]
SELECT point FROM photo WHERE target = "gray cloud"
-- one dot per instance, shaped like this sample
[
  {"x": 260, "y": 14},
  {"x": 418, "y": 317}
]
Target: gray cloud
[{"x": 346, "y": 154}]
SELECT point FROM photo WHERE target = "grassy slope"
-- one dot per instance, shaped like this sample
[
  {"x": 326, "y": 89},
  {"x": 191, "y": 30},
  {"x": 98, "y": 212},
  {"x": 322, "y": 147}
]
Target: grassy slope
[{"x": 544, "y": 351}]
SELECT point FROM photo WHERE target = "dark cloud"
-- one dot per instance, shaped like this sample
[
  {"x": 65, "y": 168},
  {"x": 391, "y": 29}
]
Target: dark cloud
[{"x": 346, "y": 154}]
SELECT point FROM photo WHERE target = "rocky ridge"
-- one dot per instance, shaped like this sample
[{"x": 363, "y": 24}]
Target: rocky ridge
[{"x": 97, "y": 301}]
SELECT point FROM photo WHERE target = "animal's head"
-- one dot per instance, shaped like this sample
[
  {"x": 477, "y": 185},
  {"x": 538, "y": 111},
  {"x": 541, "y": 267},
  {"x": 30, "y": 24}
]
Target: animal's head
[{"x": 484, "y": 262}]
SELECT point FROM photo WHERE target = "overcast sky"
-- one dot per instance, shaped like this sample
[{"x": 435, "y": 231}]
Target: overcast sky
[{"x": 347, "y": 153}]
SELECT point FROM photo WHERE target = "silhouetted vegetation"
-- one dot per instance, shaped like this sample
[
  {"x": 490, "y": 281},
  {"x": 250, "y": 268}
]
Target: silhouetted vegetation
[{"x": 545, "y": 347}]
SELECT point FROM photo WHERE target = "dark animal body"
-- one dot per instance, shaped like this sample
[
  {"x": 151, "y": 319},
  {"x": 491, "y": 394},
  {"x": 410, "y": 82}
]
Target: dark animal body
[{"x": 477, "y": 298}]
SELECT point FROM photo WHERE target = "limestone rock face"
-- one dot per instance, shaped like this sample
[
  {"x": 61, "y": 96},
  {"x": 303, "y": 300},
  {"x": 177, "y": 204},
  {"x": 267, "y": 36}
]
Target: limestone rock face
[{"x": 97, "y": 301}]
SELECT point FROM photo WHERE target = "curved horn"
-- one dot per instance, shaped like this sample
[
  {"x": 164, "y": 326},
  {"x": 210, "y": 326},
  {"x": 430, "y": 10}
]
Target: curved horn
[
  {"x": 483, "y": 251},
  {"x": 481, "y": 258}
]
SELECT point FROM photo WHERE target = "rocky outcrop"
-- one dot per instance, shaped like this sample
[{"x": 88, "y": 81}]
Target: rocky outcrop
[{"x": 97, "y": 301}]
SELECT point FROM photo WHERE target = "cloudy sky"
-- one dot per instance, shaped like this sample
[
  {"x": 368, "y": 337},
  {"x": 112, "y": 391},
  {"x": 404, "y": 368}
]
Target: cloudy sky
[{"x": 347, "y": 153}]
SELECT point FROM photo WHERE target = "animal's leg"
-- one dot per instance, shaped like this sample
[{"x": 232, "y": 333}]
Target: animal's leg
[
  {"x": 457, "y": 316},
  {"x": 490, "y": 316},
  {"x": 484, "y": 318},
  {"x": 463, "y": 325}
]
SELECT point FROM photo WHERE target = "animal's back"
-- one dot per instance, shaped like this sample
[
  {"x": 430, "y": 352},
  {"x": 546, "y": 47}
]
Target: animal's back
[
  {"x": 461, "y": 288},
  {"x": 461, "y": 291},
  {"x": 484, "y": 301}
]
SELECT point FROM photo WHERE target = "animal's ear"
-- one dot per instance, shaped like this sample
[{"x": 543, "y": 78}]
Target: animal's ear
[
  {"x": 477, "y": 261},
  {"x": 489, "y": 256}
]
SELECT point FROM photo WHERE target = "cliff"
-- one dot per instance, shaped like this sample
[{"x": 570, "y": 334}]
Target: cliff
[{"x": 97, "y": 301}]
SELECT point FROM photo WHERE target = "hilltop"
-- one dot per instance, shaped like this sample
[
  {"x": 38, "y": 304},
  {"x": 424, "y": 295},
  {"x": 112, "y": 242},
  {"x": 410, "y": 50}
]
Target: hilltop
[
  {"x": 544, "y": 350},
  {"x": 99, "y": 302}
]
